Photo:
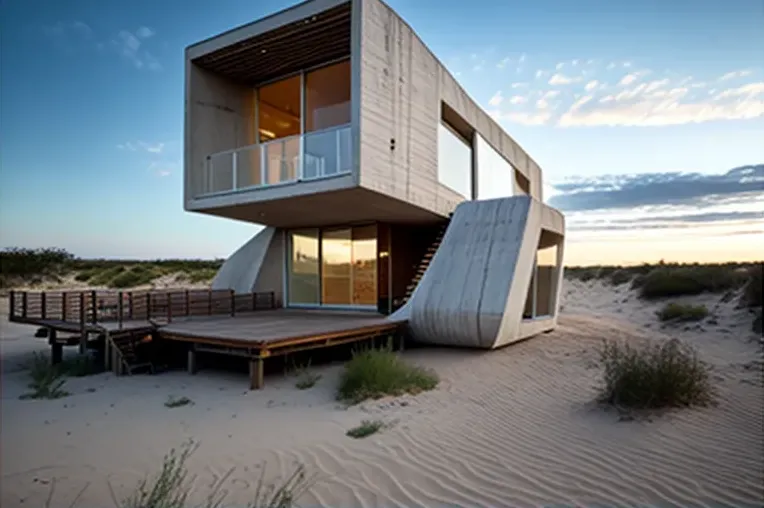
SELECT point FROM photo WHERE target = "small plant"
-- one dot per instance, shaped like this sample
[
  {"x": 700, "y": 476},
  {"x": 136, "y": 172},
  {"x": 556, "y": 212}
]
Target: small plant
[
  {"x": 374, "y": 373},
  {"x": 178, "y": 402},
  {"x": 751, "y": 296},
  {"x": 679, "y": 312},
  {"x": 367, "y": 428},
  {"x": 171, "y": 487},
  {"x": 655, "y": 376},
  {"x": 46, "y": 379},
  {"x": 305, "y": 378}
]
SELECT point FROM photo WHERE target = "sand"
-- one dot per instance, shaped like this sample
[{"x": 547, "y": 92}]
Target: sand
[{"x": 513, "y": 427}]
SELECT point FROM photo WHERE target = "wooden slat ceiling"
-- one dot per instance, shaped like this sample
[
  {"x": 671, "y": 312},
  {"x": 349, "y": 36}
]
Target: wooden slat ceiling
[{"x": 287, "y": 49}]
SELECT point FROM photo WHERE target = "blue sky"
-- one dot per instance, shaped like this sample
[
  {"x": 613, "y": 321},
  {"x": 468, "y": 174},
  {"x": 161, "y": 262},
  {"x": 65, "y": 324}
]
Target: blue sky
[{"x": 607, "y": 96}]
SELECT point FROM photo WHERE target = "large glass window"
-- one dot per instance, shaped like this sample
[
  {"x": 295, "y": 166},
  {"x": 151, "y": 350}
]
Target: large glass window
[
  {"x": 278, "y": 109},
  {"x": 454, "y": 161},
  {"x": 343, "y": 271},
  {"x": 303, "y": 267},
  {"x": 327, "y": 97},
  {"x": 365, "y": 265},
  {"x": 336, "y": 272},
  {"x": 495, "y": 176}
]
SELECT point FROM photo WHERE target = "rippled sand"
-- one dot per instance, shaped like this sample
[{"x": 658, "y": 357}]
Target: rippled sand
[{"x": 514, "y": 427}]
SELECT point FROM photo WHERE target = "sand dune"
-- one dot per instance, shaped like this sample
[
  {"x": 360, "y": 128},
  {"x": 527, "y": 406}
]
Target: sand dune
[{"x": 514, "y": 427}]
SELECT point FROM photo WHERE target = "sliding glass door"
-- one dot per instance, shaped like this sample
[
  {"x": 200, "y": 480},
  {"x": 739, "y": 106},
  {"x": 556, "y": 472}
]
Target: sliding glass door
[{"x": 333, "y": 267}]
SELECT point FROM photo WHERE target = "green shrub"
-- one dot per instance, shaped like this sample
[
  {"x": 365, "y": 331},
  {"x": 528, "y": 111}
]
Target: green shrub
[
  {"x": 46, "y": 380},
  {"x": 654, "y": 376},
  {"x": 105, "y": 276},
  {"x": 679, "y": 312},
  {"x": 668, "y": 281},
  {"x": 367, "y": 428},
  {"x": 374, "y": 373},
  {"x": 752, "y": 293},
  {"x": 619, "y": 277},
  {"x": 178, "y": 402},
  {"x": 17, "y": 262},
  {"x": 133, "y": 277},
  {"x": 201, "y": 275}
]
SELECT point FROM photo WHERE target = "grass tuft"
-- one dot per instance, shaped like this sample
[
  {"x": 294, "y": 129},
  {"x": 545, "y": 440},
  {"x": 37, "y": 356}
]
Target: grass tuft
[
  {"x": 680, "y": 312},
  {"x": 178, "y": 401},
  {"x": 374, "y": 373},
  {"x": 46, "y": 380},
  {"x": 305, "y": 378},
  {"x": 172, "y": 487},
  {"x": 367, "y": 428},
  {"x": 654, "y": 376}
]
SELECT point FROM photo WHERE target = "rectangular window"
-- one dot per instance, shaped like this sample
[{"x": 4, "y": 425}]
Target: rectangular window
[
  {"x": 454, "y": 161},
  {"x": 542, "y": 293},
  {"x": 336, "y": 267},
  {"x": 495, "y": 176},
  {"x": 303, "y": 267}
]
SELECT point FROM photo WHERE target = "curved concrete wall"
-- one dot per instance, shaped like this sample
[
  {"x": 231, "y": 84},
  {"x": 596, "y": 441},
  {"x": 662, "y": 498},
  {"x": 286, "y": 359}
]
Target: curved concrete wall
[
  {"x": 254, "y": 261},
  {"x": 474, "y": 291}
]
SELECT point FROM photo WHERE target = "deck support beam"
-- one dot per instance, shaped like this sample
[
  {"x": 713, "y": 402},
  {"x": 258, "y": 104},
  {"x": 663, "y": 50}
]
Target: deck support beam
[
  {"x": 255, "y": 373},
  {"x": 56, "y": 348},
  {"x": 106, "y": 351},
  {"x": 191, "y": 364}
]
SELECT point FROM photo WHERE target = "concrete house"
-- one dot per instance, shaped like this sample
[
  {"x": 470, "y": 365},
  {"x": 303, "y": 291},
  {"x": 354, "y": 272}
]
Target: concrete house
[{"x": 381, "y": 184}]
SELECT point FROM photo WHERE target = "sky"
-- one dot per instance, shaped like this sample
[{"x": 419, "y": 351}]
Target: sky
[{"x": 647, "y": 119}]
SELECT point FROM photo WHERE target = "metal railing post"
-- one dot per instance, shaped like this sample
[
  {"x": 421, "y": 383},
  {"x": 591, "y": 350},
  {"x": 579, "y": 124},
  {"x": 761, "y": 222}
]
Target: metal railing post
[{"x": 234, "y": 171}]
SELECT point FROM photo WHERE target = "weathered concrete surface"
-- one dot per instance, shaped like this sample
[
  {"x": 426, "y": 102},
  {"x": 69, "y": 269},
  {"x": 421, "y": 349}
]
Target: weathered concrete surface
[
  {"x": 474, "y": 291},
  {"x": 241, "y": 270}
]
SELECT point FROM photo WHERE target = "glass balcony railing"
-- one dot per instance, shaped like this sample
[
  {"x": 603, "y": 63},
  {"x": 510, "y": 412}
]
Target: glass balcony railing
[{"x": 310, "y": 156}]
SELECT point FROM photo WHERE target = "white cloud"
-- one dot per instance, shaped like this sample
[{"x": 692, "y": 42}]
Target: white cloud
[
  {"x": 496, "y": 99},
  {"x": 591, "y": 85},
  {"x": 550, "y": 94},
  {"x": 628, "y": 79},
  {"x": 660, "y": 106},
  {"x": 560, "y": 79},
  {"x": 522, "y": 58},
  {"x": 574, "y": 63},
  {"x": 129, "y": 45},
  {"x": 559, "y": 66},
  {"x": 518, "y": 99},
  {"x": 144, "y": 32},
  {"x": 540, "y": 73},
  {"x": 143, "y": 146},
  {"x": 735, "y": 74},
  {"x": 540, "y": 118},
  {"x": 655, "y": 85},
  {"x": 542, "y": 104},
  {"x": 163, "y": 168},
  {"x": 519, "y": 85},
  {"x": 611, "y": 66}
]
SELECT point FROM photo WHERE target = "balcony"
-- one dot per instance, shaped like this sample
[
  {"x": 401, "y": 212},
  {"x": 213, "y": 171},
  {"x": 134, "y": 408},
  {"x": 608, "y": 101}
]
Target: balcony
[{"x": 312, "y": 156}]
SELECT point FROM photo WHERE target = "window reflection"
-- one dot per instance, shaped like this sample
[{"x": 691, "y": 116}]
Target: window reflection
[{"x": 454, "y": 161}]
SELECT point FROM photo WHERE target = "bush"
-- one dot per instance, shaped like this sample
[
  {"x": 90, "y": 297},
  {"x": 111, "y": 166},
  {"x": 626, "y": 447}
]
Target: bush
[
  {"x": 655, "y": 376},
  {"x": 374, "y": 373},
  {"x": 667, "y": 281},
  {"x": 133, "y": 277},
  {"x": 46, "y": 379},
  {"x": 753, "y": 288},
  {"x": 619, "y": 277},
  {"x": 367, "y": 428},
  {"x": 679, "y": 312},
  {"x": 16, "y": 262}
]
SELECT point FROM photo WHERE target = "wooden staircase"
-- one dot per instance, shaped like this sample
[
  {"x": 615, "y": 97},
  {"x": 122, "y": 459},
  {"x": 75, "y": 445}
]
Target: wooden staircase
[
  {"x": 131, "y": 352},
  {"x": 425, "y": 262}
]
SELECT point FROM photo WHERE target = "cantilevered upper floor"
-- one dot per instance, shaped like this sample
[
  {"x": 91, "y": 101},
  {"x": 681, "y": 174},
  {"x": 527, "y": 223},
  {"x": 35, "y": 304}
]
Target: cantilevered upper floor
[{"x": 334, "y": 111}]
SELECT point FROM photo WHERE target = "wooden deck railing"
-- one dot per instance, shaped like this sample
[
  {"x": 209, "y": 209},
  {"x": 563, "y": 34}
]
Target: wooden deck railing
[{"x": 111, "y": 306}]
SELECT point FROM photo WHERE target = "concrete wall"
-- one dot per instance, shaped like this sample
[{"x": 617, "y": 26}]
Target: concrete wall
[
  {"x": 258, "y": 265},
  {"x": 219, "y": 115},
  {"x": 474, "y": 291},
  {"x": 402, "y": 86}
]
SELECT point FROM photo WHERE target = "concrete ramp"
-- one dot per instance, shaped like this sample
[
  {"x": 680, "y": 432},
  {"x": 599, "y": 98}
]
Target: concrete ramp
[
  {"x": 255, "y": 266},
  {"x": 475, "y": 290}
]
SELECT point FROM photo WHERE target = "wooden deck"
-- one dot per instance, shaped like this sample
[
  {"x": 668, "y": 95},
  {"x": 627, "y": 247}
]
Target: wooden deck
[{"x": 223, "y": 323}]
